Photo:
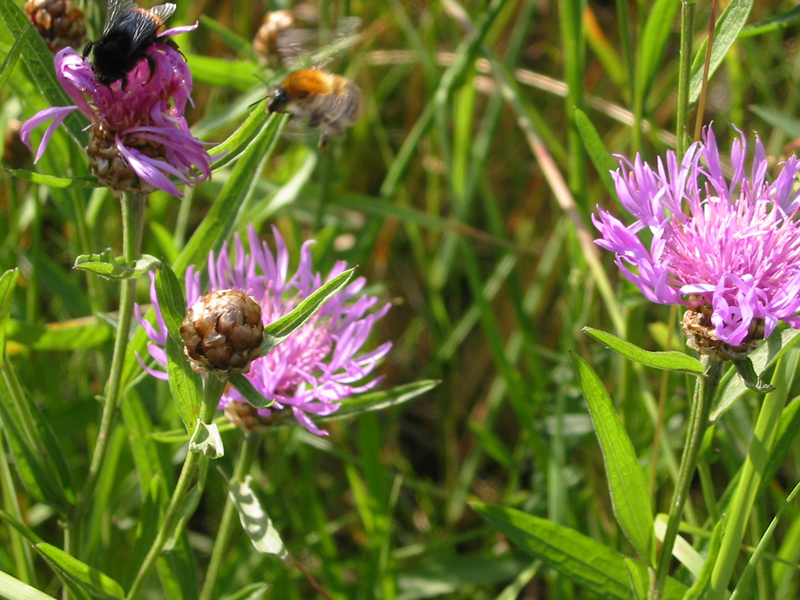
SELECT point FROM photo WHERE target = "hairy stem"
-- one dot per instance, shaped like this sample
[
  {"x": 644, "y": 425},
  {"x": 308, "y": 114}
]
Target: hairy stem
[{"x": 698, "y": 420}]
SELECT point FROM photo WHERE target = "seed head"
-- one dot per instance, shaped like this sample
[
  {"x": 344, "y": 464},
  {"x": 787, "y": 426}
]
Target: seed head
[{"x": 223, "y": 332}]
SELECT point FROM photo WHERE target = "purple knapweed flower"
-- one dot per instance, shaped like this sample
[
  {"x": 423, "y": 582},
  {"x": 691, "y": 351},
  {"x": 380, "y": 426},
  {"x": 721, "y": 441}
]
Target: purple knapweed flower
[
  {"x": 139, "y": 136},
  {"x": 728, "y": 249},
  {"x": 319, "y": 364}
]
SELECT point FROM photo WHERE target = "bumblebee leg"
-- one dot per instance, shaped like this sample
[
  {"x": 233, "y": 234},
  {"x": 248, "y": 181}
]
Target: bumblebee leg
[
  {"x": 151, "y": 64},
  {"x": 86, "y": 49}
]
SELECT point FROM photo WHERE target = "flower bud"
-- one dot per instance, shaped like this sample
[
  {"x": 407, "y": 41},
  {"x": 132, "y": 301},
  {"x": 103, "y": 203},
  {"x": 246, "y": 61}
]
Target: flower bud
[
  {"x": 223, "y": 332},
  {"x": 59, "y": 22},
  {"x": 701, "y": 335},
  {"x": 265, "y": 43},
  {"x": 110, "y": 167}
]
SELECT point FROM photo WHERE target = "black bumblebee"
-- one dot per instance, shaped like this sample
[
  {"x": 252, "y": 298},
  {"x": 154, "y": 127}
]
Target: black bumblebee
[{"x": 128, "y": 33}]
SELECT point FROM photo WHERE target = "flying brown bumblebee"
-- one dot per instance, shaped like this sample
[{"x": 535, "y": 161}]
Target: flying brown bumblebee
[
  {"x": 128, "y": 33},
  {"x": 331, "y": 102}
]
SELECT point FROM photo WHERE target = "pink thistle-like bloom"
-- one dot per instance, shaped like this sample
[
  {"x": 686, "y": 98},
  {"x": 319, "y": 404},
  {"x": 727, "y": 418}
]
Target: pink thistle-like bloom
[
  {"x": 316, "y": 366},
  {"x": 729, "y": 249},
  {"x": 139, "y": 134}
]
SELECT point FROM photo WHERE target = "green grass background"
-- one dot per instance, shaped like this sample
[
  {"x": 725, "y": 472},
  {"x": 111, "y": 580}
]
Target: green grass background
[{"x": 446, "y": 195}]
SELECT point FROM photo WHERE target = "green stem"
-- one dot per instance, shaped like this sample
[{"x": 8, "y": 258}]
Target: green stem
[
  {"x": 698, "y": 420},
  {"x": 684, "y": 76},
  {"x": 750, "y": 479},
  {"x": 133, "y": 205},
  {"x": 247, "y": 455},
  {"x": 212, "y": 392}
]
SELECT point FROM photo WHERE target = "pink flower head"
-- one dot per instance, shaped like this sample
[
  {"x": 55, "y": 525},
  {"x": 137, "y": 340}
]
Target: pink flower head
[
  {"x": 142, "y": 124},
  {"x": 732, "y": 245},
  {"x": 320, "y": 363}
]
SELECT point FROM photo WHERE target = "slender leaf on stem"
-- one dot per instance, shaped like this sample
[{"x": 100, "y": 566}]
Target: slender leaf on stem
[
  {"x": 656, "y": 34},
  {"x": 765, "y": 356},
  {"x": 95, "y": 582},
  {"x": 744, "y": 581},
  {"x": 87, "y": 181},
  {"x": 254, "y": 591},
  {"x": 277, "y": 331},
  {"x": 379, "y": 400},
  {"x": 789, "y": 124},
  {"x": 255, "y": 521},
  {"x": 37, "y": 454},
  {"x": 727, "y": 30},
  {"x": 700, "y": 585},
  {"x": 115, "y": 268},
  {"x": 682, "y": 550},
  {"x": 671, "y": 361},
  {"x": 234, "y": 41},
  {"x": 38, "y": 61},
  {"x": 186, "y": 385},
  {"x": 596, "y": 567},
  {"x": 249, "y": 392},
  {"x": 240, "y": 139},
  {"x": 603, "y": 162},
  {"x": 12, "y": 588},
  {"x": 77, "y": 334},
  {"x": 774, "y": 23},
  {"x": 13, "y": 56},
  {"x": 8, "y": 283},
  {"x": 625, "y": 477},
  {"x": 171, "y": 301}
]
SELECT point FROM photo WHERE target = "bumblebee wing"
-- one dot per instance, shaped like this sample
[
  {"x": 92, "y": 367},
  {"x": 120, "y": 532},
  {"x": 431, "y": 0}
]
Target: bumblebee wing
[
  {"x": 146, "y": 23},
  {"x": 302, "y": 48},
  {"x": 163, "y": 11},
  {"x": 115, "y": 9}
]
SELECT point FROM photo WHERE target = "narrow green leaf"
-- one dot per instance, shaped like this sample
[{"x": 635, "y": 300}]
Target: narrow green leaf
[
  {"x": 95, "y": 582},
  {"x": 220, "y": 220},
  {"x": 250, "y": 393},
  {"x": 219, "y": 72},
  {"x": 774, "y": 23},
  {"x": 701, "y": 583},
  {"x": 185, "y": 385},
  {"x": 109, "y": 267},
  {"x": 171, "y": 301},
  {"x": 8, "y": 283},
  {"x": 732, "y": 386},
  {"x": 603, "y": 162},
  {"x": 207, "y": 441},
  {"x": 240, "y": 139},
  {"x": 625, "y": 477},
  {"x": 78, "y": 334},
  {"x": 727, "y": 30},
  {"x": 742, "y": 586},
  {"x": 234, "y": 41},
  {"x": 656, "y": 34},
  {"x": 682, "y": 550},
  {"x": 379, "y": 400},
  {"x": 12, "y": 588},
  {"x": 788, "y": 124},
  {"x": 21, "y": 528},
  {"x": 37, "y": 454},
  {"x": 253, "y": 591},
  {"x": 38, "y": 61},
  {"x": 88, "y": 181},
  {"x": 189, "y": 505},
  {"x": 13, "y": 55},
  {"x": 277, "y": 331},
  {"x": 585, "y": 561},
  {"x": 751, "y": 380},
  {"x": 670, "y": 361},
  {"x": 255, "y": 520}
]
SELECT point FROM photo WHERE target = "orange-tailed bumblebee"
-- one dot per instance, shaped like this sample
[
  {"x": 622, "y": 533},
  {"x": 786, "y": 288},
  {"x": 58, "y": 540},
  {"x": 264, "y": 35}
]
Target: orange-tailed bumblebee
[
  {"x": 331, "y": 102},
  {"x": 128, "y": 33}
]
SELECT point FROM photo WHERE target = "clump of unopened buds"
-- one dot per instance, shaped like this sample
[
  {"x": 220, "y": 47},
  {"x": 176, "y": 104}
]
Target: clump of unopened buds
[
  {"x": 59, "y": 22},
  {"x": 223, "y": 333}
]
